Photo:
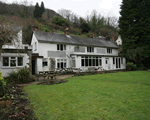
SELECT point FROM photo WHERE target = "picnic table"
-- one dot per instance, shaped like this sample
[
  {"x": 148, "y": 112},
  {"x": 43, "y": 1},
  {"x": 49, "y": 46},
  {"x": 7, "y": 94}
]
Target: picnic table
[{"x": 48, "y": 74}]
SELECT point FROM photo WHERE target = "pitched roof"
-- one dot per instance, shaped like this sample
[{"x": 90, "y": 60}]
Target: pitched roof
[
  {"x": 68, "y": 39},
  {"x": 15, "y": 28}
]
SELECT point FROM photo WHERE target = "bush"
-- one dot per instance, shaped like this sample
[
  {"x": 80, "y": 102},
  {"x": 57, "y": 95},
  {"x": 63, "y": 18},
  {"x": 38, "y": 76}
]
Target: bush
[
  {"x": 2, "y": 84},
  {"x": 21, "y": 76},
  {"x": 131, "y": 66}
]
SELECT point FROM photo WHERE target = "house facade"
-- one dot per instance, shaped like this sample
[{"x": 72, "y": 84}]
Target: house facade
[
  {"x": 15, "y": 55},
  {"x": 51, "y": 51}
]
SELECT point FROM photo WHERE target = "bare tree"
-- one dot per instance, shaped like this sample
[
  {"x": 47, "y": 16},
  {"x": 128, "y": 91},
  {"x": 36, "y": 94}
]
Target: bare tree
[
  {"x": 7, "y": 35},
  {"x": 65, "y": 13}
]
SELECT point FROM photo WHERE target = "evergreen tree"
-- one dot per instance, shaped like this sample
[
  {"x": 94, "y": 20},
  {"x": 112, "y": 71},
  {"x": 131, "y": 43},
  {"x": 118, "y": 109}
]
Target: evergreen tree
[
  {"x": 36, "y": 12},
  {"x": 85, "y": 28},
  {"x": 42, "y": 9},
  {"x": 134, "y": 25}
]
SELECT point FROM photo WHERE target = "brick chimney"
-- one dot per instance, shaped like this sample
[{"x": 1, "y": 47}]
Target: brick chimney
[
  {"x": 93, "y": 35},
  {"x": 34, "y": 28},
  {"x": 107, "y": 38},
  {"x": 67, "y": 31},
  {"x": 112, "y": 38}
]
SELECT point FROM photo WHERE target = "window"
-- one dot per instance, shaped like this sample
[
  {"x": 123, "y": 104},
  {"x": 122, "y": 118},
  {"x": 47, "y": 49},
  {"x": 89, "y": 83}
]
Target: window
[
  {"x": 90, "y": 49},
  {"x": 61, "y": 47},
  {"x": 44, "y": 63},
  {"x": 121, "y": 60},
  {"x": 5, "y": 61},
  {"x": 12, "y": 61},
  {"x": 113, "y": 60},
  {"x": 61, "y": 63},
  {"x": 35, "y": 46},
  {"x": 73, "y": 62},
  {"x": 91, "y": 61},
  {"x": 118, "y": 62},
  {"x": 109, "y": 50},
  {"x": 20, "y": 61}
]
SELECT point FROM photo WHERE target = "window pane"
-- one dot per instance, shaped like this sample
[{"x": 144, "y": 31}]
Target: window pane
[
  {"x": 100, "y": 62},
  {"x": 86, "y": 62},
  {"x": 5, "y": 61},
  {"x": 20, "y": 61},
  {"x": 13, "y": 57},
  {"x": 12, "y": 63},
  {"x": 92, "y": 49},
  {"x": 119, "y": 63},
  {"x": 61, "y": 47},
  {"x": 90, "y": 62},
  {"x": 58, "y": 65},
  {"x": 121, "y": 60},
  {"x": 57, "y": 46},
  {"x": 96, "y": 62},
  {"x": 116, "y": 62},
  {"x": 82, "y": 62},
  {"x": 65, "y": 65},
  {"x": 64, "y": 47},
  {"x": 44, "y": 64},
  {"x": 113, "y": 60},
  {"x": 93, "y": 62},
  {"x": 61, "y": 65}
]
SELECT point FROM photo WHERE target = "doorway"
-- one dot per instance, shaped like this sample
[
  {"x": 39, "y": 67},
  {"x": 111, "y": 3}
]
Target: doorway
[
  {"x": 33, "y": 67},
  {"x": 107, "y": 63}
]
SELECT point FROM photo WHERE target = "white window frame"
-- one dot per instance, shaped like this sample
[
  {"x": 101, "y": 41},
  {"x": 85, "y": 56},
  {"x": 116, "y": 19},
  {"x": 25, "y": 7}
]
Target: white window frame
[
  {"x": 9, "y": 60},
  {"x": 91, "y": 57},
  {"x": 109, "y": 51},
  {"x": 91, "y": 49},
  {"x": 63, "y": 49},
  {"x": 60, "y": 60}
]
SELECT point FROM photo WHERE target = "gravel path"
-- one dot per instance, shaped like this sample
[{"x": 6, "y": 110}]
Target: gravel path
[{"x": 59, "y": 77}]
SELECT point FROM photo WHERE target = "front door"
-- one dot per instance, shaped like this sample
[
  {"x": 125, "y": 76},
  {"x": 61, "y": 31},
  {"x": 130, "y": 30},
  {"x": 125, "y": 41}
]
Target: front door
[
  {"x": 33, "y": 67},
  {"x": 107, "y": 63}
]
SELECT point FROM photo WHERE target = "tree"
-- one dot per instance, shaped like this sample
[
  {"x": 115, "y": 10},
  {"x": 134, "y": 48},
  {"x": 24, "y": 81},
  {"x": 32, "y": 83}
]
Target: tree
[
  {"x": 7, "y": 35},
  {"x": 36, "y": 12},
  {"x": 85, "y": 28},
  {"x": 42, "y": 8},
  {"x": 60, "y": 21},
  {"x": 134, "y": 27}
]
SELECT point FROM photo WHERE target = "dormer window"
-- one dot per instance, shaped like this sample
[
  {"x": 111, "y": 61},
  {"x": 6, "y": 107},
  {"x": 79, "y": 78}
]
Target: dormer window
[
  {"x": 90, "y": 49},
  {"x": 109, "y": 51},
  {"x": 61, "y": 47},
  {"x": 35, "y": 46}
]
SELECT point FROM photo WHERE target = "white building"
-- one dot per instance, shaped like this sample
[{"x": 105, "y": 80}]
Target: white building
[
  {"x": 15, "y": 55},
  {"x": 119, "y": 40},
  {"x": 53, "y": 50}
]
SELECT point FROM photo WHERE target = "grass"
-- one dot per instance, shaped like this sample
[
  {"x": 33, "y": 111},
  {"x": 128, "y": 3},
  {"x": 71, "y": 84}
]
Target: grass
[{"x": 114, "y": 96}]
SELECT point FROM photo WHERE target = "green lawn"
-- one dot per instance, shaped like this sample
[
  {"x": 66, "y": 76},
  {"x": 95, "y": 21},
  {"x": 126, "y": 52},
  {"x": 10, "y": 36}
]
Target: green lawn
[{"x": 113, "y": 96}]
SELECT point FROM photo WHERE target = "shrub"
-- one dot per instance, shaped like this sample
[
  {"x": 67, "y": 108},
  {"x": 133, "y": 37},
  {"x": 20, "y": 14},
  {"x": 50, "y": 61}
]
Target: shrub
[
  {"x": 2, "y": 84},
  {"x": 21, "y": 76},
  {"x": 131, "y": 66}
]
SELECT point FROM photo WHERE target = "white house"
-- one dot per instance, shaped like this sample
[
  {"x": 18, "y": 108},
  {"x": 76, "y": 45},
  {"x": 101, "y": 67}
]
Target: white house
[
  {"x": 15, "y": 55},
  {"x": 53, "y": 50},
  {"x": 119, "y": 40}
]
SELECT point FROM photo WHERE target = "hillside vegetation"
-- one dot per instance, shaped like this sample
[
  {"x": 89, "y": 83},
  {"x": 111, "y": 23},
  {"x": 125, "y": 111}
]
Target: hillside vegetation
[{"x": 26, "y": 15}]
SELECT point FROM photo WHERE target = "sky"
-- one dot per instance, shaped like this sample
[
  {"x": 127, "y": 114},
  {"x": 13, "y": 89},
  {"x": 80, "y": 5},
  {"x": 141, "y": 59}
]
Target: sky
[{"x": 80, "y": 7}]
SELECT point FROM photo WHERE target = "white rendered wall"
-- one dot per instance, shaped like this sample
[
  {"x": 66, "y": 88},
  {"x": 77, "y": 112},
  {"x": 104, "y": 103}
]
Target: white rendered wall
[
  {"x": 6, "y": 70},
  {"x": 33, "y": 41},
  {"x": 39, "y": 64}
]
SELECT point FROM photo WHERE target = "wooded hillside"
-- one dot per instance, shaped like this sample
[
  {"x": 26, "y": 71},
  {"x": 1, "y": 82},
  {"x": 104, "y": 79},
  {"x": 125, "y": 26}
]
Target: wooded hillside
[{"x": 26, "y": 15}]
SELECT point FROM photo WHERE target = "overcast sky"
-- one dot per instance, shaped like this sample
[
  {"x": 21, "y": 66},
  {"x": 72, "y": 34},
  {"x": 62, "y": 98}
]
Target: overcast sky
[{"x": 81, "y": 7}]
